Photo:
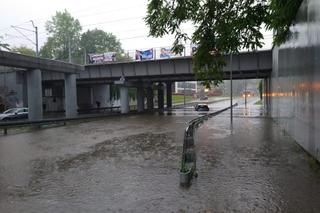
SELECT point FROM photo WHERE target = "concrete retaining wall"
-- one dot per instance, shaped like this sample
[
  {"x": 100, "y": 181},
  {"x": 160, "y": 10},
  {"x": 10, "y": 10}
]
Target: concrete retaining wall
[{"x": 295, "y": 83}]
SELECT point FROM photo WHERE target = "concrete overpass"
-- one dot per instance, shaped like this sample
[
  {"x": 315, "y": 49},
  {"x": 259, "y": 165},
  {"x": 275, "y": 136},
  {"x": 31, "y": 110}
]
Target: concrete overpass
[
  {"x": 142, "y": 75},
  {"x": 33, "y": 69},
  {"x": 245, "y": 65},
  {"x": 139, "y": 74}
]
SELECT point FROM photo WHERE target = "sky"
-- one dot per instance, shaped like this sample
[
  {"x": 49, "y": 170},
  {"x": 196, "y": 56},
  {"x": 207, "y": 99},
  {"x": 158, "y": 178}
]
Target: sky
[{"x": 123, "y": 18}]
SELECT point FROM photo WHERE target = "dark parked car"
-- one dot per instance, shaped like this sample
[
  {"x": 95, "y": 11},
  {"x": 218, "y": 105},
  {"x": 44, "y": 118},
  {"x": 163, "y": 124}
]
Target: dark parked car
[
  {"x": 14, "y": 114},
  {"x": 204, "y": 98},
  {"x": 201, "y": 107}
]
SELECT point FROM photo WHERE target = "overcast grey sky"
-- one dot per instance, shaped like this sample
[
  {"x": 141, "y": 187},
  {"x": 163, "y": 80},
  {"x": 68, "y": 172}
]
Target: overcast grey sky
[{"x": 124, "y": 18}]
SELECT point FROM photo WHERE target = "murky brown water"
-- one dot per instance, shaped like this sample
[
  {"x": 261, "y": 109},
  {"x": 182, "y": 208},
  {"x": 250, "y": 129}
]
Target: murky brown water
[{"x": 131, "y": 165}]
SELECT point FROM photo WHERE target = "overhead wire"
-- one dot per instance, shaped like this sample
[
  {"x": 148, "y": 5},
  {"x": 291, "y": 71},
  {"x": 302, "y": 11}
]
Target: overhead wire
[
  {"x": 40, "y": 20},
  {"x": 100, "y": 23}
]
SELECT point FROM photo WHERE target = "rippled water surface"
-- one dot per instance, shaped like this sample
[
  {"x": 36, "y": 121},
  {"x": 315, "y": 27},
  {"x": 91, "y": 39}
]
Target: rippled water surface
[{"x": 131, "y": 164}]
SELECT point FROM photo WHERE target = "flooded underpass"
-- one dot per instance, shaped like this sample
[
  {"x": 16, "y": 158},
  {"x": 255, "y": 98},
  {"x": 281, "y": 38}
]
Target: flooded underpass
[{"x": 131, "y": 164}]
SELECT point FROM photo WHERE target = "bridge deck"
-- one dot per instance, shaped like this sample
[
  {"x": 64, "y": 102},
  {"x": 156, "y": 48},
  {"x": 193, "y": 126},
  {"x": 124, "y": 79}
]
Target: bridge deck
[
  {"x": 245, "y": 65},
  {"x": 29, "y": 63}
]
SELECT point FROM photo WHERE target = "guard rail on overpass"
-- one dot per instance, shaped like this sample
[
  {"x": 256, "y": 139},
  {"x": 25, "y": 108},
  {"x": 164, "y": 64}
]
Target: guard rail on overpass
[{"x": 245, "y": 65}]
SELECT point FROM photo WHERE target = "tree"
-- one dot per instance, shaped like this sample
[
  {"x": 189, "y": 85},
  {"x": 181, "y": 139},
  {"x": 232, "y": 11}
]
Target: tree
[
  {"x": 23, "y": 50},
  {"x": 221, "y": 27},
  {"x": 64, "y": 30},
  {"x": 281, "y": 15},
  {"x": 3, "y": 45},
  {"x": 99, "y": 41},
  {"x": 64, "y": 33}
]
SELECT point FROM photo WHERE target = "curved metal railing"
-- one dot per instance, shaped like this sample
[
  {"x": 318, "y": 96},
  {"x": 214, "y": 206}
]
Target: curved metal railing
[{"x": 188, "y": 162}]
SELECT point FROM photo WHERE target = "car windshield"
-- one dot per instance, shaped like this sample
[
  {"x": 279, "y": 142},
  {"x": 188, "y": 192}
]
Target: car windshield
[{"x": 9, "y": 111}]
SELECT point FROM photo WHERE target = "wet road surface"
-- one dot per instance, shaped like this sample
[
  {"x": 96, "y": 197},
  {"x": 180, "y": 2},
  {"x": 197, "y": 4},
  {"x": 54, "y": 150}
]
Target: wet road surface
[{"x": 131, "y": 164}]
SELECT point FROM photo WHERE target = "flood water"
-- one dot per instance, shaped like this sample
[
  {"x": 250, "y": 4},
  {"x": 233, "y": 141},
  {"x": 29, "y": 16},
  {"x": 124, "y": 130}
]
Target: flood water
[{"x": 131, "y": 164}]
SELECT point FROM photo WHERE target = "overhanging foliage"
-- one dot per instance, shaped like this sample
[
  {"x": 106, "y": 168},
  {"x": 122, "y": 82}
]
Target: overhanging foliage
[{"x": 221, "y": 27}]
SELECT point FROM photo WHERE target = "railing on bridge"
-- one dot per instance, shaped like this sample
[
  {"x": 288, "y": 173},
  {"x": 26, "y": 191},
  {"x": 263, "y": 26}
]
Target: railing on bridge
[
  {"x": 154, "y": 53},
  {"x": 188, "y": 168}
]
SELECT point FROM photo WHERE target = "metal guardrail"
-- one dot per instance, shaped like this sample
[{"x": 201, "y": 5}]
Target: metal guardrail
[
  {"x": 15, "y": 124},
  {"x": 5, "y": 125},
  {"x": 188, "y": 161},
  {"x": 99, "y": 109}
]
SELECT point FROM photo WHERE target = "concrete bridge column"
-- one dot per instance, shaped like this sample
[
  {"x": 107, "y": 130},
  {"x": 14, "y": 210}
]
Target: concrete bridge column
[
  {"x": 34, "y": 85},
  {"x": 124, "y": 100},
  {"x": 140, "y": 99},
  {"x": 169, "y": 94},
  {"x": 101, "y": 93},
  {"x": 160, "y": 96},
  {"x": 70, "y": 94},
  {"x": 150, "y": 104}
]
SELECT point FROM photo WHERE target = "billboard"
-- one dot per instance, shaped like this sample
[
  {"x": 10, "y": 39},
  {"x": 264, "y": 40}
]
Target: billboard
[
  {"x": 103, "y": 57},
  {"x": 168, "y": 53},
  {"x": 144, "y": 55},
  {"x": 193, "y": 49}
]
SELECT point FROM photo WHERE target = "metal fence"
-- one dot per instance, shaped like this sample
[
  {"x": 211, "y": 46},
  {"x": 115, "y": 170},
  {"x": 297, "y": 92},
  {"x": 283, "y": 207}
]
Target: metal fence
[{"x": 5, "y": 125}]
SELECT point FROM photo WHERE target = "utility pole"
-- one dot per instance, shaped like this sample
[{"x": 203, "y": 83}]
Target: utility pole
[
  {"x": 18, "y": 29},
  {"x": 37, "y": 42},
  {"x": 245, "y": 93},
  {"x": 184, "y": 94},
  {"x": 231, "y": 92}
]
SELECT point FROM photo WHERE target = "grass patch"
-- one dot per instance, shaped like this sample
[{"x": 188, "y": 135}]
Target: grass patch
[
  {"x": 258, "y": 102},
  {"x": 179, "y": 98}
]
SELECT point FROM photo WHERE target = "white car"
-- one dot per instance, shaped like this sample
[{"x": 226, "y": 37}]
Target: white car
[{"x": 14, "y": 113}]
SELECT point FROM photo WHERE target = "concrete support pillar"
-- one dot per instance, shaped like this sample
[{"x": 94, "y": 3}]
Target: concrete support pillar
[
  {"x": 34, "y": 84},
  {"x": 140, "y": 99},
  {"x": 124, "y": 99},
  {"x": 160, "y": 96},
  {"x": 70, "y": 94},
  {"x": 101, "y": 93},
  {"x": 169, "y": 94},
  {"x": 150, "y": 104}
]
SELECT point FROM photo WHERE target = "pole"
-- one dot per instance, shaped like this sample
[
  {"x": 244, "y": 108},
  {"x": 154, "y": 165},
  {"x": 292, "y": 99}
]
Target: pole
[
  {"x": 231, "y": 91},
  {"x": 37, "y": 38},
  {"x": 245, "y": 93},
  {"x": 85, "y": 56},
  {"x": 69, "y": 50},
  {"x": 37, "y": 42},
  {"x": 184, "y": 94}
]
